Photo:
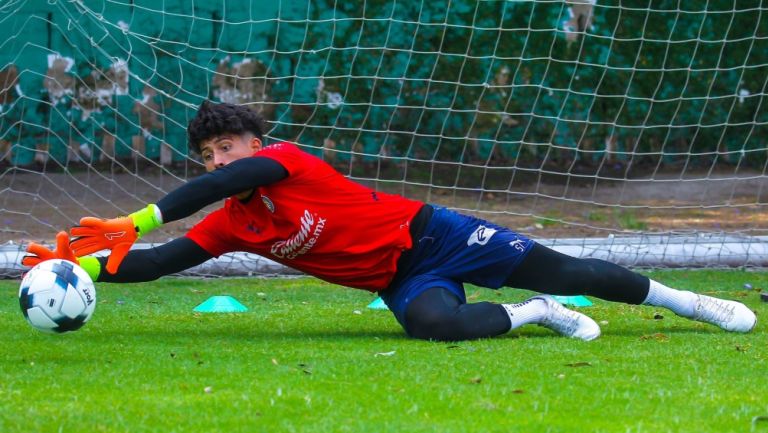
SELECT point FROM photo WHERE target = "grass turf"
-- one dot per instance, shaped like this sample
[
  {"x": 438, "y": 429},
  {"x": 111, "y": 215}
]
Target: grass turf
[{"x": 309, "y": 356}]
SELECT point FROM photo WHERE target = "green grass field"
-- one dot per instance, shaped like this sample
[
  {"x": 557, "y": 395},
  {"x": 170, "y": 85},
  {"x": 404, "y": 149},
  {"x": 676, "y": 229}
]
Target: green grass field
[{"x": 311, "y": 357}]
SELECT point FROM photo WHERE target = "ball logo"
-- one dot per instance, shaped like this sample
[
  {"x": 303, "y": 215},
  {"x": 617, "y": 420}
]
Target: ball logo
[
  {"x": 481, "y": 236},
  {"x": 88, "y": 296}
]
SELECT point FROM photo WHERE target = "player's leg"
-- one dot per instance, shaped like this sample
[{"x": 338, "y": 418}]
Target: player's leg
[
  {"x": 548, "y": 271},
  {"x": 428, "y": 299},
  {"x": 439, "y": 314}
]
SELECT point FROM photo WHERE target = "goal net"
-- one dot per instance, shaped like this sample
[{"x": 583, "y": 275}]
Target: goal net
[{"x": 631, "y": 131}]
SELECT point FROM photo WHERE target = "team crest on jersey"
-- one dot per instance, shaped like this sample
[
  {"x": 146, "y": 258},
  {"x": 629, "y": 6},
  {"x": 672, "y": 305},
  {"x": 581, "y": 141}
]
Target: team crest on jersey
[
  {"x": 268, "y": 203},
  {"x": 480, "y": 236}
]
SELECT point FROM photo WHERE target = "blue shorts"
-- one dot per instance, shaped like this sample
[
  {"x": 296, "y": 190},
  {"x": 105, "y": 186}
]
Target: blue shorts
[{"x": 455, "y": 249}]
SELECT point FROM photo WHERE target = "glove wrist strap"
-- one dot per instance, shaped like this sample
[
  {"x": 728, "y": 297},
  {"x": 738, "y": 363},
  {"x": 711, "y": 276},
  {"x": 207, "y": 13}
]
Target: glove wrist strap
[
  {"x": 147, "y": 219},
  {"x": 91, "y": 265}
]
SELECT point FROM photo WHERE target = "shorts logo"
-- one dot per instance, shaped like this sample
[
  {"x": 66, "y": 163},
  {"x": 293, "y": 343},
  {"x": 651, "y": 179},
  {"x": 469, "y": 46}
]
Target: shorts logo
[
  {"x": 268, "y": 203},
  {"x": 481, "y": 236},
  {"x": 518, "y": 244}
]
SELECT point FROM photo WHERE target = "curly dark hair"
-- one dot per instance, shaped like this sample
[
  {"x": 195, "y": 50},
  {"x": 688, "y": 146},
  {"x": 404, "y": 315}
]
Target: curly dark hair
[{"x": 213, "y": 120}]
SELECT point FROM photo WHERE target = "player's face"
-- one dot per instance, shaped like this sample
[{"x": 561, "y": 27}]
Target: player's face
[{"x": 220, "y": 151}]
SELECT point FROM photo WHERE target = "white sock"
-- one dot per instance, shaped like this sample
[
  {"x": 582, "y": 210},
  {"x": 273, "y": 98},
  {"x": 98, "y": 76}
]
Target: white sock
[
  {"x": 530, "y": 311},
  {"x": 681, "y": 302}
]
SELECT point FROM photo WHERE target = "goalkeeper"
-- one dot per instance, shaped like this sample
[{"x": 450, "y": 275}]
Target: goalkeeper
[{"x": 291, "y": 207}]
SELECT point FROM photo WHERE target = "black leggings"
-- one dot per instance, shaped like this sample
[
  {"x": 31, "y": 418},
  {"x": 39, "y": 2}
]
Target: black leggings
[{"x": 438, "y": 314}]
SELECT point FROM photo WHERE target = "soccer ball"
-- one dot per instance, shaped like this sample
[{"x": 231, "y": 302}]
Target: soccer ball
[{"x": 57, "y": 296}]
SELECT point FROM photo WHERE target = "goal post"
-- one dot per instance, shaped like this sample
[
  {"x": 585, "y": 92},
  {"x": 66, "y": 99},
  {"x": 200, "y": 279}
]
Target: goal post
[{"x": 631, "y": 131}]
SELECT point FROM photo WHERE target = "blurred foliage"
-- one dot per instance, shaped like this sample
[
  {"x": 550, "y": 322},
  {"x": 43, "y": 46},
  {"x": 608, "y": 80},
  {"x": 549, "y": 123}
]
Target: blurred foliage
[
  {"x": 532, "y": 84},
  {"x": 489, "y": 82}
]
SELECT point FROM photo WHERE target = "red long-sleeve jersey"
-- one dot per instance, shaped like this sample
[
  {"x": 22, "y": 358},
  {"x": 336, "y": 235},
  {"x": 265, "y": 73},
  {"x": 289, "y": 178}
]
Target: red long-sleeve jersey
[{"x": 316, "y": 221}]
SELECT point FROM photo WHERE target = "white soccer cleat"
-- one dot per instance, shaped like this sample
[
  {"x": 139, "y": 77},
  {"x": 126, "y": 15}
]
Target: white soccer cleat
[
  {"x": 568, "y": 322},
  {"x": 730, "y": 315}
]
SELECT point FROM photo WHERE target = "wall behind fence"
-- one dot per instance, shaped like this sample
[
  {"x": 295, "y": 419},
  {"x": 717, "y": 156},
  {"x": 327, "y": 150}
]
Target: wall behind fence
[{"x": 532, "y": 82}]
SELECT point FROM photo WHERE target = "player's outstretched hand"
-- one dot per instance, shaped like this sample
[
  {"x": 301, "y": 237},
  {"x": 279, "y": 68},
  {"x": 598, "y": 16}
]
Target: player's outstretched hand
[
  {"x": 96, "y": 234},
  {"x": 116, "y": 234},
  {"x": 37, "y": 253}
]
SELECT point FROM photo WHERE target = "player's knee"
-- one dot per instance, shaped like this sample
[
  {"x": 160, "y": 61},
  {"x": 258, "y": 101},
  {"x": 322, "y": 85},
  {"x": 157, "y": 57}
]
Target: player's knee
[
  {"x": 444, "y": 326},
  {"x": 435, "y": 325}
]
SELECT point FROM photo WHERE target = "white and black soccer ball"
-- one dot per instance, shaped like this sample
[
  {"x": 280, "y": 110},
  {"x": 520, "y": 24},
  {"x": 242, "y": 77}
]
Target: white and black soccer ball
[{"x": 57, "y": 296}]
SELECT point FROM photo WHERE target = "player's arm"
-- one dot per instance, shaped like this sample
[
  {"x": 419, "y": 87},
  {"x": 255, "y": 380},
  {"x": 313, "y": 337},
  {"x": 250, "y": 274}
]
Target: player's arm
[
  {"x": 236, "y": 177},
  {"x": 139, "y": 265},
  {"x": 118, "y": 234},
  {"x": 152, "y": 263}
]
